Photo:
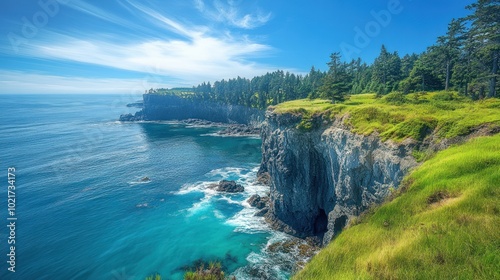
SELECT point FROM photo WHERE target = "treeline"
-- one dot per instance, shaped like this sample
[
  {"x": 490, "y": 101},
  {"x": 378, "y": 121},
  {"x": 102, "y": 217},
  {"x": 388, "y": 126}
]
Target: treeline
[
  {"x": 261, "y": 91},
  {"x": 465, "y": 59}
]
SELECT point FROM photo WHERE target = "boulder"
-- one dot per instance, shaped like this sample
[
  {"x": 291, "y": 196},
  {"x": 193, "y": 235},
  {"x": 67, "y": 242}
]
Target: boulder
[
  {"x": 257, "y": 201},
  {"x": 229, "y": 187}
]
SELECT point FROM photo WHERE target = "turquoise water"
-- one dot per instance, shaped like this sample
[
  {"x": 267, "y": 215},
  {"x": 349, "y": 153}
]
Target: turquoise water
[{"x": 83, "y": 212}]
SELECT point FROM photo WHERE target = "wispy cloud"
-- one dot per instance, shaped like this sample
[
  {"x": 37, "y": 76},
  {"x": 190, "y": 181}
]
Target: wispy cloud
[
  {"x": 21, "y": 82},
  {"x": 166, "y": 22},
  {"x": 229, "y": 12},
  {"x": 97, "y": 12}
]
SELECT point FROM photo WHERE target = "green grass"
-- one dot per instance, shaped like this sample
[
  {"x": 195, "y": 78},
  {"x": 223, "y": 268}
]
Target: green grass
[
  {"x": 446, "y": 225},
  {"x": 444, "y": 113},
  {"x": 154, "y": 277},
  {"x": 212, "y": 272}
]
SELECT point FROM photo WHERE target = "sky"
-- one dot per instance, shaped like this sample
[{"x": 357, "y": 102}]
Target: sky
[{"x": 117, "y": 46}]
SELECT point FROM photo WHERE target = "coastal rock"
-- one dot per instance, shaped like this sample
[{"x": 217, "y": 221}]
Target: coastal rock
[
  {"x": 264, "y": 178},
  {"x": 240, "y": 130},
  {"x": 137, "y": 104},
  {"x": 322, "y": 178},
  {"x": 198, "y": 122},
  {"x": 257, "y": 201},
  {"x": 132, "y": 118},
  {"x": 262, "y": 212},
  {"x": 229, "y": 187}
]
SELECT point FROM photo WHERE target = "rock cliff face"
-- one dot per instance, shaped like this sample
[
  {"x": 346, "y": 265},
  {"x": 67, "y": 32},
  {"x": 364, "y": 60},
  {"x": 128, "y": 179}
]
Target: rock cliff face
[
  {"x": 169, "y": 107},
  {"x": 322, "y": 178}
]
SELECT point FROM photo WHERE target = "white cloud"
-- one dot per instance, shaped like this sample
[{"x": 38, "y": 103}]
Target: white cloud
[
  {"x": 94, "y": 11},
  {"x": 231, "y": 14},
  {"x": 165, "y": 22},
  {"x": 21, "y": 82}
]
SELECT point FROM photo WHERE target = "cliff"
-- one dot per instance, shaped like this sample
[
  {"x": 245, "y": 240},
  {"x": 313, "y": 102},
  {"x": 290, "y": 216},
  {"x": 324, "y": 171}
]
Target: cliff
[
  {"x": 322, "y": 178},
  {"x": 171, "y": 107}
]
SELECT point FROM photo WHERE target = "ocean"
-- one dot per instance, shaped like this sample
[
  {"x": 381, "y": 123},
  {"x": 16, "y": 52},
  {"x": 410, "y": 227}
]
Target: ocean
[{"x": 83, "y": 211}]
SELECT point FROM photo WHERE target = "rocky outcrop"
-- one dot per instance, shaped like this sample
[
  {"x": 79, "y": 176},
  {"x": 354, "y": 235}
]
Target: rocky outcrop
[
  {"x": 322, "y": 178},
  {"x": 138, "y": 116},
  {"x": 229, "y": 187},
  {"x": 239, "y": 130},
  {"x": 257, "y": 201}
]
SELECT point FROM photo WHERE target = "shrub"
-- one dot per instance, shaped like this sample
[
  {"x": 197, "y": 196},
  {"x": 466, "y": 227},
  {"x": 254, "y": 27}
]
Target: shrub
[
  {"x": 444, "y": 96},
  {"x": 154, "y": 277},
  {"x": 212, "y": 272},
  {"x": 396, "y": 98}
]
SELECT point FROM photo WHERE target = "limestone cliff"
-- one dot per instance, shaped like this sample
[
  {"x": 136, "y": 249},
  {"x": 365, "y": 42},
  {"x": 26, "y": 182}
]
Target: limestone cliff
[{"x": 321, "y": 178}]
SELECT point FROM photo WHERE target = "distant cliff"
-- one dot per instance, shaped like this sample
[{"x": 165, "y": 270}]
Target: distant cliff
[
  {"x": 322, "y": 178},
  {"x": 171, "y": 107}
]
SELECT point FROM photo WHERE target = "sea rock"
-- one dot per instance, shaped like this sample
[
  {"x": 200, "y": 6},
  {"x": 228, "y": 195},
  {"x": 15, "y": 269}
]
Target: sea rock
[
  {"x": 145, "y": 179},
  {"x": 132, "y": 118},
  {"x": 137, "y": 104},
  {"x": 230, "y": 187},
  {"x": 240, "y": 130},
  {"x": 198, "y": 122},
  {"x": 262, "y": 212},
  {"x": 126, "y": 118},
  {"x": 257, "y": 201}
]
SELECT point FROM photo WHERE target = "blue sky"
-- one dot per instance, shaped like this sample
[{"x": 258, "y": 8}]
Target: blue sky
[{"x": 116, "y": 46}]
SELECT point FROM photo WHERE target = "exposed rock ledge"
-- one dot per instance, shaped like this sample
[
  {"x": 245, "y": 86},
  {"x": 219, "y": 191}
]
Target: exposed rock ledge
[{"x": 322, "y": 178}]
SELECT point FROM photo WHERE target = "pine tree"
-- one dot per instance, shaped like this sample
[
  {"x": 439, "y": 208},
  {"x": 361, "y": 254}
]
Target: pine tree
[
  {"x": 336, "y": 84},
  {"x": 485, "y": 32}
]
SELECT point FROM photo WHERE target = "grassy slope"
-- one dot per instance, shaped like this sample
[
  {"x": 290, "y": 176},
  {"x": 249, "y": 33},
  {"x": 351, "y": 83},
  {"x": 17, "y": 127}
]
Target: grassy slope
[
  {"x": 445, "y": 226},
  {"x": 398, "y": 121}
]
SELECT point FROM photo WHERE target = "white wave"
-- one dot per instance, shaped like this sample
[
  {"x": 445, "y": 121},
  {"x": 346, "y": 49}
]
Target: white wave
[
  {"x": 228, "y": 172},
  {"x": 231, "y": 201},
  {"x": 270, "y": 265},
  {"x": 218, "y": 214},
  {"x": 230, "y": 135},
  {"x": 246, "y": 221},
  {"x": 140, "y": 181},
  {"x": 203, "y": 204},
  {"x": 255, "y": 258},
  {"x": 202, "y": 187},
  {"x": 133, "y": 183}
]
